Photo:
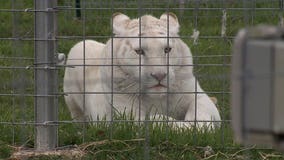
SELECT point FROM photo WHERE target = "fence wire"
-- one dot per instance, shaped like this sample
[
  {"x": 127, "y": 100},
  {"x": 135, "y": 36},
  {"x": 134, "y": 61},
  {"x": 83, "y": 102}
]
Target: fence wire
[{"x": 208, "y": 27}]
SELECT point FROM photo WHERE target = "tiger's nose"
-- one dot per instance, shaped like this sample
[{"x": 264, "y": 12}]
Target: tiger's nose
[{"x": 159, "y": 76}]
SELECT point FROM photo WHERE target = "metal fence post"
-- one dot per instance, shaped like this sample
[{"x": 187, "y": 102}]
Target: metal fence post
[
  {"x": 78, "y": 9},
  {"x": 46, "y": 108}
]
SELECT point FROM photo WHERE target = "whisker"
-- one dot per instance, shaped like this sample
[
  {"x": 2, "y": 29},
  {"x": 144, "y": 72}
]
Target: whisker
[{"x": 129, "y": 85}]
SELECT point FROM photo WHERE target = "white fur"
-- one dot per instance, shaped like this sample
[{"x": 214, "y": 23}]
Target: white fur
[{"x": 126, "y": 77}]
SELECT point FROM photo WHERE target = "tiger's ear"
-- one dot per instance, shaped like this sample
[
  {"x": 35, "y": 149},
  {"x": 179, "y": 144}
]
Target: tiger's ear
[
  {"x": 119, "y": 23},
  {"x": 171, "y": 20}
]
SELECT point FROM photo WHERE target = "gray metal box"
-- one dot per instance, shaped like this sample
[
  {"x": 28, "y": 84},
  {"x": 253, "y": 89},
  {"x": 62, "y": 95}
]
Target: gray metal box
[{"x": 258, "y": 86}]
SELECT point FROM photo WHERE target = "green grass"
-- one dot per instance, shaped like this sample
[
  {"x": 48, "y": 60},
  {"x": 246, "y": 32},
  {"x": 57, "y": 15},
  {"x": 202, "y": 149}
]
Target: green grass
[{"x": 130, "y": 141}]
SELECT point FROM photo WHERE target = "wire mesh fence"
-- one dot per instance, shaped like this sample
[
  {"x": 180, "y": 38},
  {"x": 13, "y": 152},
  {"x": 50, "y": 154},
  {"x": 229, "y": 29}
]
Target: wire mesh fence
[{"x": 208, "y": 27}]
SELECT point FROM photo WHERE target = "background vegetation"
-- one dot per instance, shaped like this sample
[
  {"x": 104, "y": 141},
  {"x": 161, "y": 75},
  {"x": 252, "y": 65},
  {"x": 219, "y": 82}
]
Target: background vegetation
[{"x": 126, "y": 140}]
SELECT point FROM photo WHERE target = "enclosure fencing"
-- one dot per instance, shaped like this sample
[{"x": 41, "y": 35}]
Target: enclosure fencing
[{"x": 35, "y": 35}]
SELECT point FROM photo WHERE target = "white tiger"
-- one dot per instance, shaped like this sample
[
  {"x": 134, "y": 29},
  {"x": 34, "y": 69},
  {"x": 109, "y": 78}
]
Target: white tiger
[{"x": 153, "y": 65}]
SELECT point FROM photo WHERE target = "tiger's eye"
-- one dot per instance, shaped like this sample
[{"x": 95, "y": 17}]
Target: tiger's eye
[
  {"x": 140, "y": 51},
  {"x": 167, "y": 50}
]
